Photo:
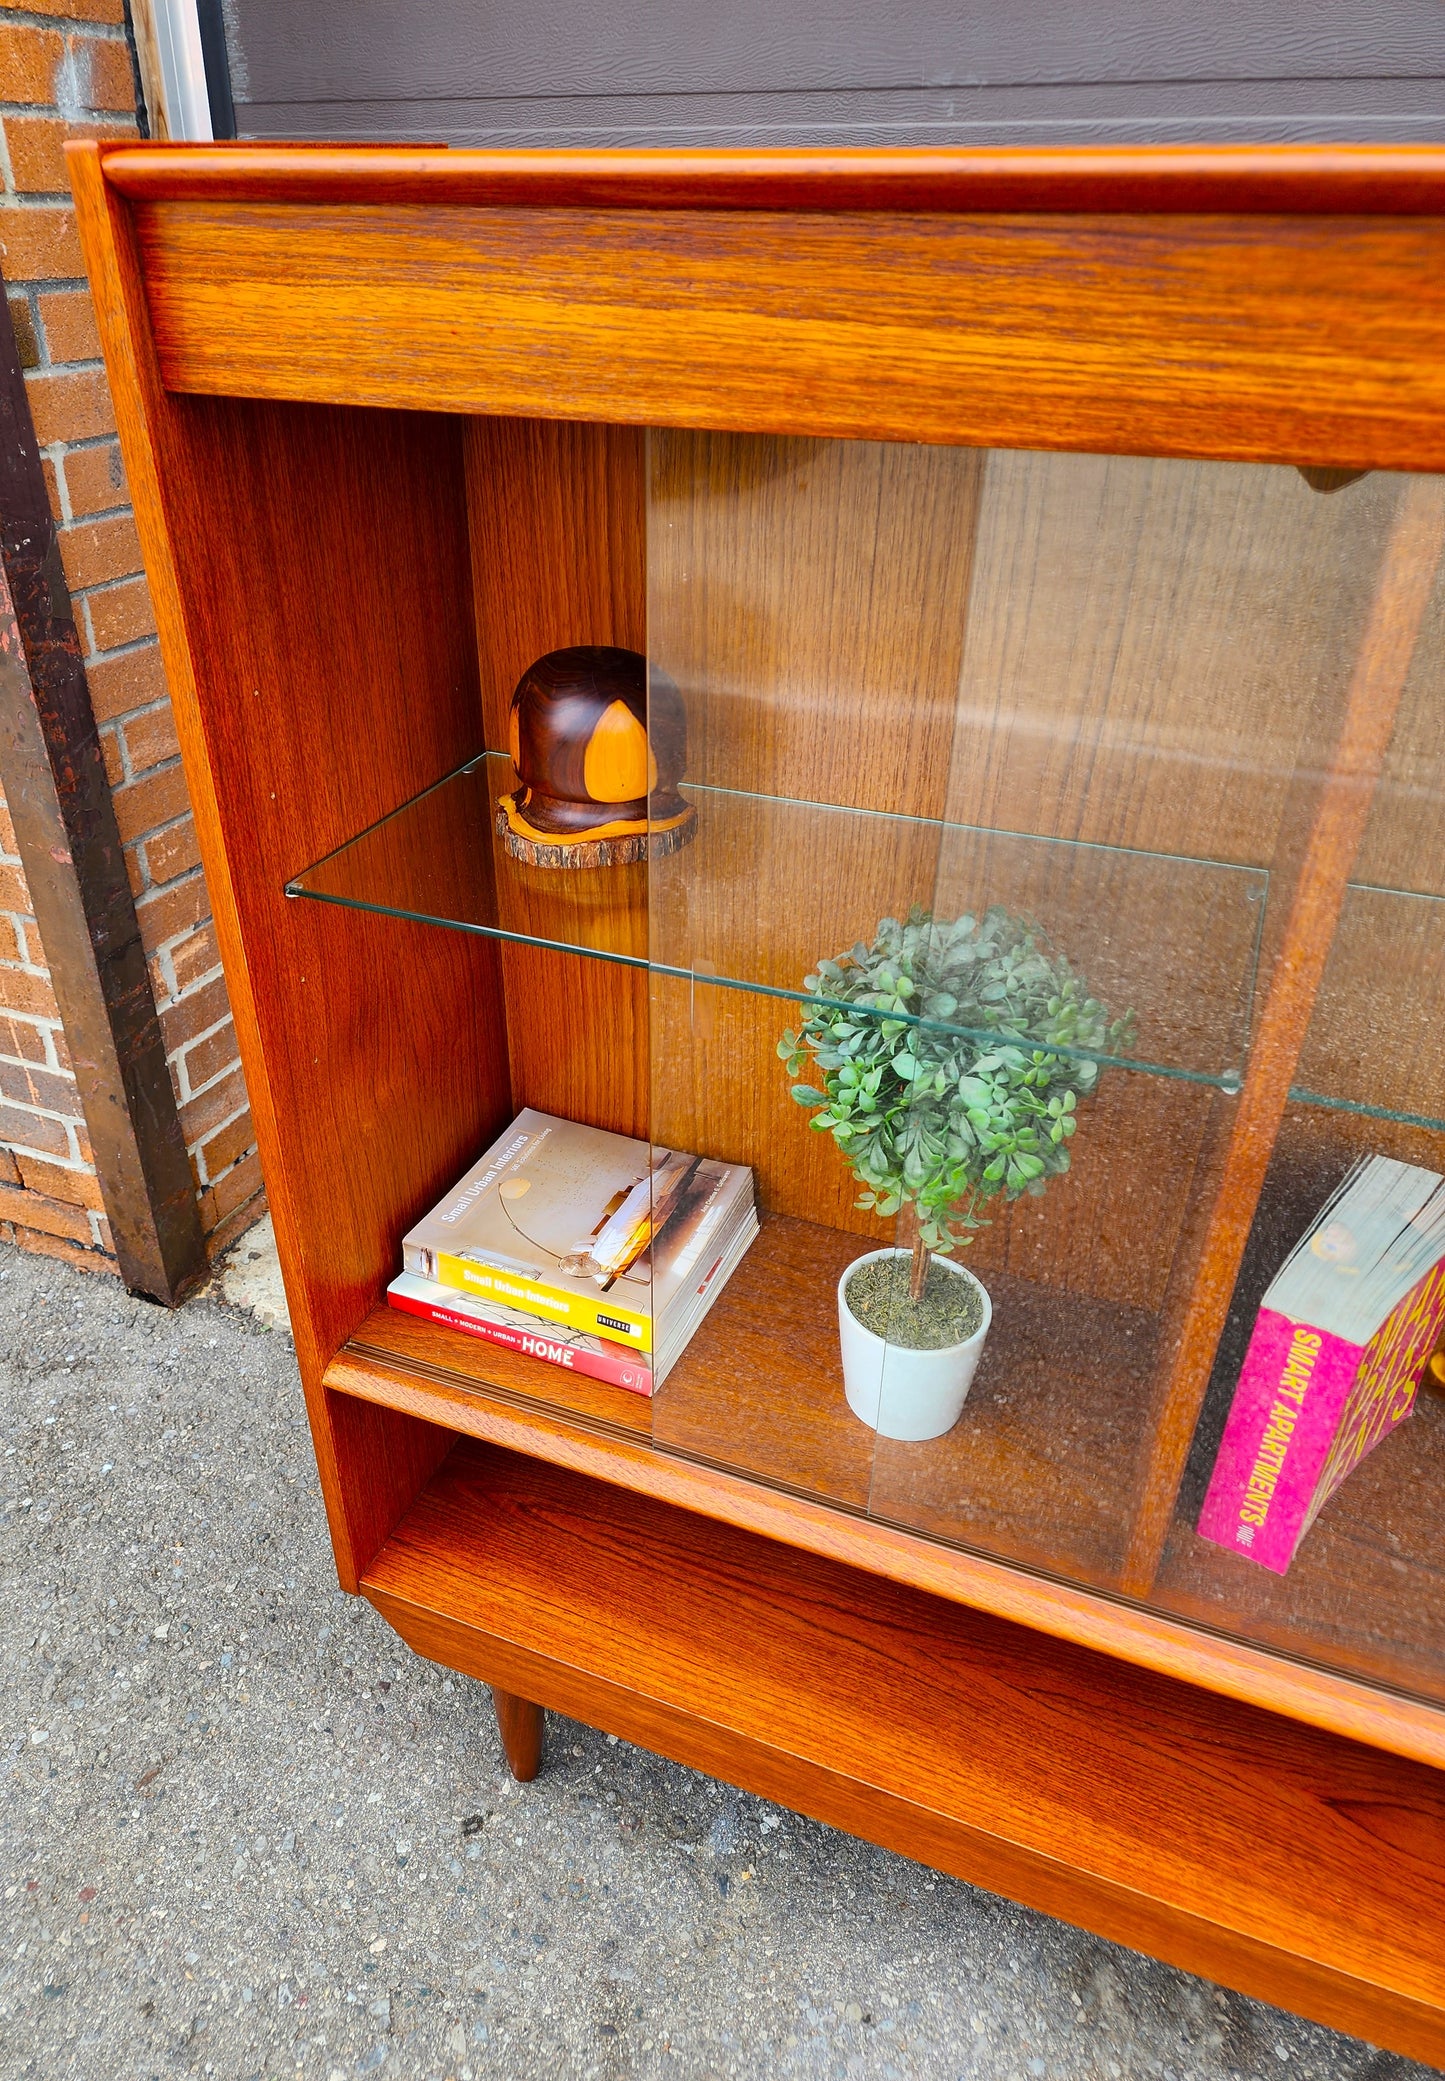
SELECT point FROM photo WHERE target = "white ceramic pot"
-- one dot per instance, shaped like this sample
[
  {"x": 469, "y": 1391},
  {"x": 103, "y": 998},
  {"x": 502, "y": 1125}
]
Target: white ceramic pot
[{"x": 905, "y": 1394}]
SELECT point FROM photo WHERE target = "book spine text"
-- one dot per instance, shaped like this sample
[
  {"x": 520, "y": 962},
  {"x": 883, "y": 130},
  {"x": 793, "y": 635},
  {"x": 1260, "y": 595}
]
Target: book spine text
[
  {"x": 598, "y": 1316},
  {"x": 1292, "y": 1387},
  {"x": 597, "y": 1365}
]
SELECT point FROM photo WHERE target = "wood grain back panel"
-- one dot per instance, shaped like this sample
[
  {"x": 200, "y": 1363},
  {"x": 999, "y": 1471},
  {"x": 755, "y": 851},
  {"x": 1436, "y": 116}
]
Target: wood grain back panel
[
  {"x": 1289, "y": 338},
  {"x": 558, "y": 535},
  {"x": 1146, "y": 641},
  {"x": 1376, "y": 1038},
  {"x": 1402, "y": 847},
  {"x": 809, "y": 599},
  {"x": 557, "y": 529}
]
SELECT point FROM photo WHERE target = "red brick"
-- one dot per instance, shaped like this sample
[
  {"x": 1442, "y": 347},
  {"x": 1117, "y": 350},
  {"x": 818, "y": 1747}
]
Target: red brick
[
  {"x": 9, "y": 1168},
  {"x": 194, "y": 1013},
  {"x": 84, "y": 1260},
  {"x": 37, "y": 151},
  {"x": 169, "y": 912},
  {"x": 28, "y": 59},
  {"x": 23, "y": 992},
  {"x": 18, "y": 1037},
  {"x": 95, "y": 551},
  {"x": 121, "y": 613},
  {"x": 209, "y": 1057},
  {"x": 154, "y": 799},
  {"x": 119, "y": 684},
  {"x": 150, "y": 740},
  {"x": 95, "y": 479},
  {"x": 240, "y": 1184},
  {"x": 114, "y": 763},
  {"x": 135, "y": 868},
  {"x": 26, "y": 339},
  {"x": 73, "y": 10},
  {"x": 33, "y": 1086},
  {"x": 229, "y": 1142},
  {"x": 68, "y": 317},
  {"x": 196, "y": 956},
  {"x": 57, "y": 1181},
  {"x": 51, "y": 1217},
  {"x": 7, "y": 832},
  {"x": 12, "y": 944},
  {"x": 39, "y": 243},
  {"x": 13, "y": 893},
  {"x": 226, "y": 1231},
  {"x": 32, "y": 1131},
  {"x": 67, "y": 407},
  {"x": 107, "y": 63},
  {"x": 202, "y": 1116},
  {"x": 173, "y": 852},
  {"x": 37, "y": 154},
  {"x": 52, "y": 487}
]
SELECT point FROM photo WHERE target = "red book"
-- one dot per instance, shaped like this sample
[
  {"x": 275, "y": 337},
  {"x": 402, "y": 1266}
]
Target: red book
[{"x": 572, "y": 1350}]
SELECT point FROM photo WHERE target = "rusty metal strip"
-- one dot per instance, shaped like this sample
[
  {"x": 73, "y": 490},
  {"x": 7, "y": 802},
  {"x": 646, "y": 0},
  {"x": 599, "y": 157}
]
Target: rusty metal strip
[{"x": 53, "y": 771}]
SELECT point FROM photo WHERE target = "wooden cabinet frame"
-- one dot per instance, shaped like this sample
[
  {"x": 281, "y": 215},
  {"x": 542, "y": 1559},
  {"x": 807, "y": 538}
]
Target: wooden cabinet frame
[{"x": 1281, "y": 1827}]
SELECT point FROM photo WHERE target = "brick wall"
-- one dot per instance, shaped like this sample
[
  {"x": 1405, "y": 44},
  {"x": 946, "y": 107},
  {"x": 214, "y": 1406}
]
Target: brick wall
[{"x": 65, "y": 71}]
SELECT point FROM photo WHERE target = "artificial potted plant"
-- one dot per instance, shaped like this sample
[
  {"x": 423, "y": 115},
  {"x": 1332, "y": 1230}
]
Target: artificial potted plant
[{"x": 952, "y": 1056}]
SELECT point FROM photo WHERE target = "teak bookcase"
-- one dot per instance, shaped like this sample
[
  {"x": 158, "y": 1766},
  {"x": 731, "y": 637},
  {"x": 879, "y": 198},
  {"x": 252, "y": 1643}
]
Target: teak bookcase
[{"x": 398, "y": 422}]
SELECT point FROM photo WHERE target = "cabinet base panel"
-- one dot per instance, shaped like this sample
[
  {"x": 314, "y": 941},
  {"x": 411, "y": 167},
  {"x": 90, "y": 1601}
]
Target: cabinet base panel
[{"x": 1292, "y": 1865}]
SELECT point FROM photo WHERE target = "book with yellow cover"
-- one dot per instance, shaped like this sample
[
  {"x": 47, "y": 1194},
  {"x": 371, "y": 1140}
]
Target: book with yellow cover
[{"x": 590, "y": 1232}]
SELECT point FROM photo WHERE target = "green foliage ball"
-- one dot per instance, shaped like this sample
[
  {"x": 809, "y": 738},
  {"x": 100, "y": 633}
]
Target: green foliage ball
[{"x": 951, "y": 1059}]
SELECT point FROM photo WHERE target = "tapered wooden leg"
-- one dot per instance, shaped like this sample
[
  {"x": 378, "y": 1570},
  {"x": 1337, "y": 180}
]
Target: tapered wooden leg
[{"x": 521, "y": 1726}]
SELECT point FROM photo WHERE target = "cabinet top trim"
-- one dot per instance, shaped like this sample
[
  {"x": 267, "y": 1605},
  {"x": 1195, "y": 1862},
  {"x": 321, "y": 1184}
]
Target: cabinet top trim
[{"x": 1285, "y": 180}]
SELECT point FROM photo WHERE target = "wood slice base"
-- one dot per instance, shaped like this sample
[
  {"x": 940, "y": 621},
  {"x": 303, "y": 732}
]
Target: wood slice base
[{"x": 596, "y": 852}]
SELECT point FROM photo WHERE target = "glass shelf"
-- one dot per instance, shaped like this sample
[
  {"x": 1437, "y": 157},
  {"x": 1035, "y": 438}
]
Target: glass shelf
[
  {"x": 1181, "y": 947},
  {"x": 1374, "y": 1042},
  {"x": 770, "y": 887}
]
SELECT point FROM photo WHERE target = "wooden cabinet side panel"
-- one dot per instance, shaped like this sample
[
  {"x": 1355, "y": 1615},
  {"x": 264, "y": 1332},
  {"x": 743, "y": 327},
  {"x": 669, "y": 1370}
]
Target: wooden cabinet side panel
[{"x": 310, "y": 573}]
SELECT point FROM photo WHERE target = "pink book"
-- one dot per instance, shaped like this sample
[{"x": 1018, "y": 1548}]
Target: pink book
[{"x": 1309, "y": 1405}]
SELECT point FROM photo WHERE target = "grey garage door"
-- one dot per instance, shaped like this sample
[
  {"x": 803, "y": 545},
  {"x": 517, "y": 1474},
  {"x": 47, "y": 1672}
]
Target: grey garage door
[{"x": 485, "y": 72}]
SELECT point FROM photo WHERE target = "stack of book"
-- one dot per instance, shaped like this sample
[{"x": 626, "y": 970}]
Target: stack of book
[
  {"x": 1348, "y": 1327},
  {"x": 583, "y": 1248}
]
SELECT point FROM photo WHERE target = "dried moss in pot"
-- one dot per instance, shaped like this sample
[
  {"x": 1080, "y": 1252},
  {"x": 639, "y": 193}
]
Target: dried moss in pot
[{"x": 949, "y": 1313}]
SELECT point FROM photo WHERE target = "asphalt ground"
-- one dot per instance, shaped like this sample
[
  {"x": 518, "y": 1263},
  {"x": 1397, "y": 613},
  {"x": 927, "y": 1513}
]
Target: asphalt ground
[{"x": 244, "y": 1832}]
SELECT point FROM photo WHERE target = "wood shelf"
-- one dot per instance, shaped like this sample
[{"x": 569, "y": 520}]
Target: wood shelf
[
  {"x": 1058, "y": 1404},
  {"x": 1366, "y": 1591},
  {"x": 845, "y": 1698},
  {"x": 431, "y": 1352},
  {"x": 1061, "y": 1393},
  {"x": 1059, "y": 1400}
]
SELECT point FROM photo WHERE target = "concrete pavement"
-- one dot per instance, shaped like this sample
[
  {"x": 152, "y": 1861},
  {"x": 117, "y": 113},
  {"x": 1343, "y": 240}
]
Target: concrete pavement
[{"x": 244, "y": 1832}]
